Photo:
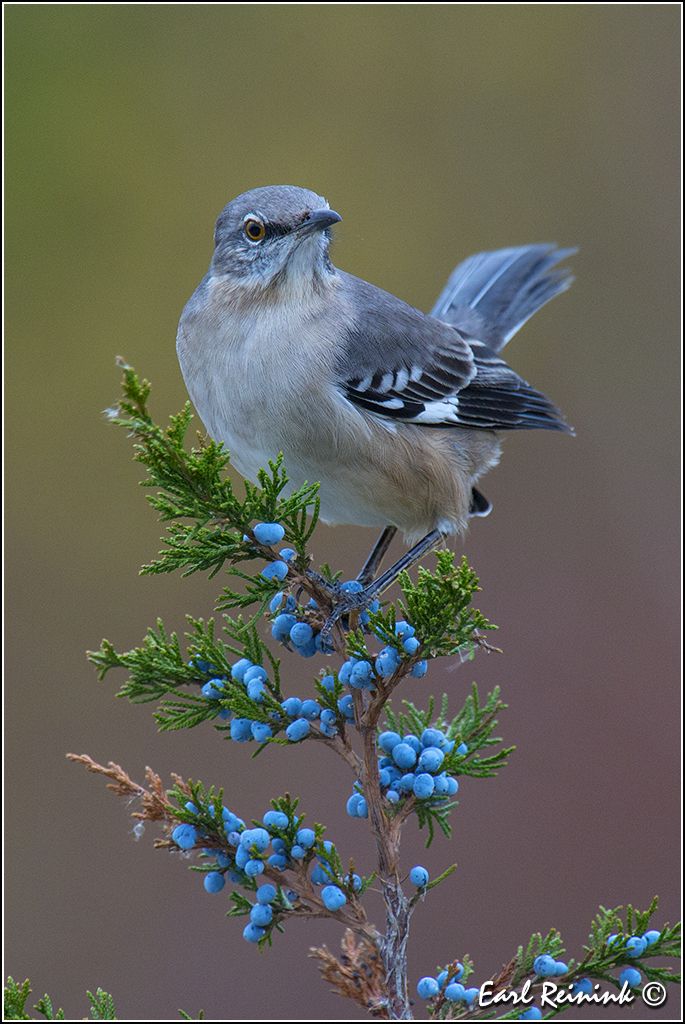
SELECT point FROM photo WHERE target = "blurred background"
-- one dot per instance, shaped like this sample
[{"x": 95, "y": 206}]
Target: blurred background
[{"x": 437, "y": 131}]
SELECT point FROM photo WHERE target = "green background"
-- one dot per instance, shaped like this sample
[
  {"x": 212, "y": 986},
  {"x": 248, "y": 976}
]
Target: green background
[{"x": 436, "y": 131}]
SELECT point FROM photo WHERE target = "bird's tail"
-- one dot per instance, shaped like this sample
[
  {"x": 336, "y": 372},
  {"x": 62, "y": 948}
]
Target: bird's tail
[{"x": 503, "y": 288}]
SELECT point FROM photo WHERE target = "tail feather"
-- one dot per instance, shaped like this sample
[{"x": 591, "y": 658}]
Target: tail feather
[{"x": 503, "y": 288}]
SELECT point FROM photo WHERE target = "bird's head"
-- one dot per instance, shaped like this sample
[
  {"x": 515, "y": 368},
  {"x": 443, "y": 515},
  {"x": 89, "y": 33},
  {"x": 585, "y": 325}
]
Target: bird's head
[{"x": 275, "y": 234}]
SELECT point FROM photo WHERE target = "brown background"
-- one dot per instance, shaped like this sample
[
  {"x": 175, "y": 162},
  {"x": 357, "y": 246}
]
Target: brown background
[{"x": 437, "y": 132}]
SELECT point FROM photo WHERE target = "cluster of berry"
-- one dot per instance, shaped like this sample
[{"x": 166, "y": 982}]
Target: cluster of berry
[
  {"x": 411, "y": 766},
  {"x": 360, "y": 674},
  {"x": 635, "y": 946},
  {"x": 448, "y": 984},
  {"x": 545, "y": 966},
  {"x": 291, "y": 628},
  {"x": 249, "y": 857}
]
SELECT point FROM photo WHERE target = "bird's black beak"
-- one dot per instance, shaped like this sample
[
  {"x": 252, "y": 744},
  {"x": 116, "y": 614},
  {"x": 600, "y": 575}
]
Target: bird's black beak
[{"x": 318, "y": 220}]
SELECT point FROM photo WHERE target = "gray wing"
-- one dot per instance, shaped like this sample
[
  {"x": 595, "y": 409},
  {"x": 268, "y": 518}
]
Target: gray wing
[{"x": 404, "y": 365}]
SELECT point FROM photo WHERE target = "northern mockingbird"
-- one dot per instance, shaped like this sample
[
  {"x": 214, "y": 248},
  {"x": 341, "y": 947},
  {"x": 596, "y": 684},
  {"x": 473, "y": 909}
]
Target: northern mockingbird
[{"x": 397, "y": 413}]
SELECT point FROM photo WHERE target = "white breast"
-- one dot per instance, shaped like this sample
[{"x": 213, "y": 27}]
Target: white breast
[{"x": 250, "y": 371}]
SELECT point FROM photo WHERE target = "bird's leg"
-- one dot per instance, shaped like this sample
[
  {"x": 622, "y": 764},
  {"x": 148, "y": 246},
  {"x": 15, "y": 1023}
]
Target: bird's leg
[
  {"x": 347, "y": 602},
  {"x": 412, "y": 556},
  {"x": 373, "y": 562}
]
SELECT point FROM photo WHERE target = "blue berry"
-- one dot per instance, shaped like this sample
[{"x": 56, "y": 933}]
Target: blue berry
[
  {"x": 328, "y": 683},
  {"x": 462, "y": 749},
  {"x": 255, "y": 838},
  {"x": 240, "y": 668},
  {"x": 346, "y": 707},
  {"x": 404, "y": 755},
  {"x": 651, "y": 937},
  {"x": 328, "y": 717},
  {"x": 266, "y": 893},
  {"x": 254, "y": 867},
  {"x": 387, "y": 661},
  {"x": 210, "y": 691},
  {"x": 223, "y": 860},
  {"x": 635, "y": 946},
  {"x": 454, "y": 992},
  {"x": 560, "y": 968},
  {"x": 306, "y": 837},
  {"x": 414, "y": 742},
  {"x": 256, "y": 690},
  {"x": 297, "y": 730},
  {"x": 287, "y": 554},
  {"x": 268, "y": 533},
  {"x": 298, "y": 852},
  {"x": 185, "y": 836},
  {"x": 411, "y": 645},
  {"x": 424, "y": 784},
  {"x": 388, "y": 741},
  {"x": 433, "y": 738},
  {"x": 241, "y": 730},
  {"x": 430, "y": 759},
  {"x": 261, "y": 732},
  {"x": 301, "y": 634},
  {"x": 276, "y": 819},
  {"x": 392, "y": 796},
  {"x": 319, "y": 876},
  {"x": 346, "y": 670},
  {"x": 427, "y": 988},
  {"x": 354, "y": 882},
  {"x": 352, "y": 587},
  {"x": 630, "y": 976},
  {"x": 275, "y": 571},
  {"x": 292, "y": 707},
  {"x": 333, "y": 898},
  {"x": 328, "y": 730},
  {"x": 353, "y": 803},
  {"x": 214, "y": 881},
  {"x": 261, "y": 915},
  {"x": 281, "y": 626},
  {"x": 418, "y": 876},
  {"x": 253, "y": 933},
  {"x": 470, "y": 995},
  {"x": 254, "y": 672},
  {"x": 361, "y": 675},
  {"x": 278, "y": 860},
  {"x": 544, "y": 966},
  {"x": 406, "y": 783},
  {"x": 583, "y": 985},
  {"x": 403, "y": 629},
  {"x": 190, "y": 806},
  {"x": 418, "y": 672},
  {"x": 310, "y": 709},
  {"x": 532, "y": 1013}
]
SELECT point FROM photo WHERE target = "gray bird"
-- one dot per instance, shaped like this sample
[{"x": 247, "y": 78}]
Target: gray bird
[{"x": 397, "y": 413}]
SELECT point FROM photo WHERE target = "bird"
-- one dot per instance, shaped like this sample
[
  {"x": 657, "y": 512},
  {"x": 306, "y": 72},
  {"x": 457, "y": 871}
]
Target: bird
[{"x": 395, "y": 412}]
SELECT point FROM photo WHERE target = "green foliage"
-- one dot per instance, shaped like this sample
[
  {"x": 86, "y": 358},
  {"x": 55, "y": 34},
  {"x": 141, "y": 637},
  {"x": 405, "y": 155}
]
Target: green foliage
[
  {"x": 16, "y": 997},
  {"x": 439, "y": 607},
  {"x": 474, "y": 725},
  {"x": 196, "y": 497}
]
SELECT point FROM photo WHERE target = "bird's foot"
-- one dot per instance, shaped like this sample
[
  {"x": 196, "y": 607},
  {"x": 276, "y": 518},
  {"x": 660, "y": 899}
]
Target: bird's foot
[{"x": 351, "y": 601}]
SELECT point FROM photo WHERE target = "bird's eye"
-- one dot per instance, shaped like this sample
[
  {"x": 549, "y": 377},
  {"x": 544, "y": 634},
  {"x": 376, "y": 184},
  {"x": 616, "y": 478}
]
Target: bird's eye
[{"x": 254, "y": 229}]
